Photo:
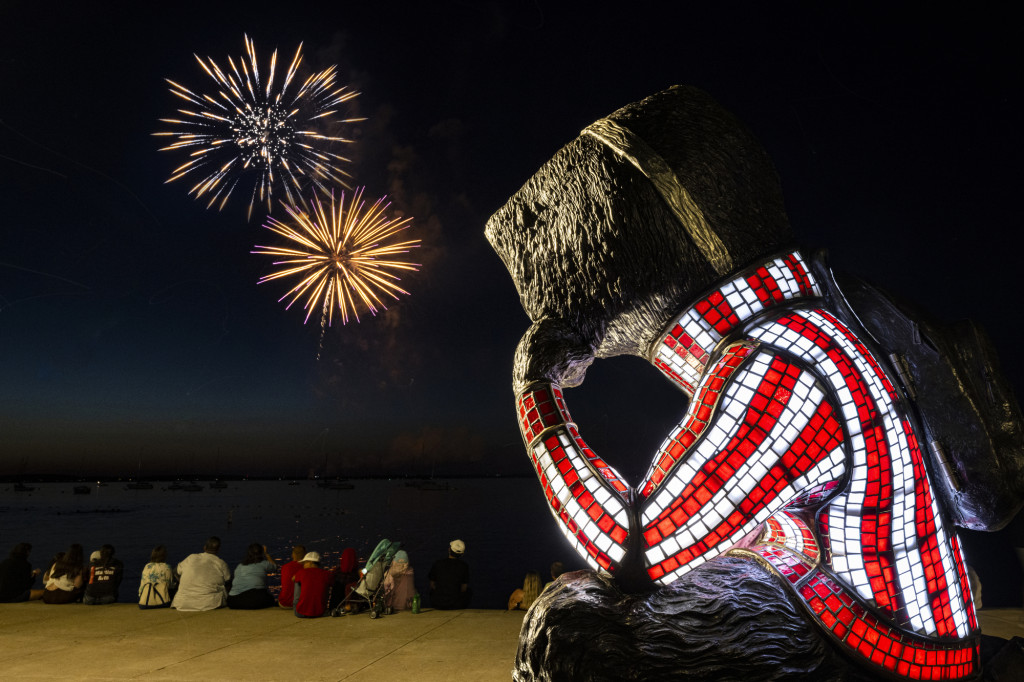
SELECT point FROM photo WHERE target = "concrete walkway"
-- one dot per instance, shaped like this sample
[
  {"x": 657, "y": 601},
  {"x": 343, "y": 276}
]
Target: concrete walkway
[{"x": 120, "y": 642}]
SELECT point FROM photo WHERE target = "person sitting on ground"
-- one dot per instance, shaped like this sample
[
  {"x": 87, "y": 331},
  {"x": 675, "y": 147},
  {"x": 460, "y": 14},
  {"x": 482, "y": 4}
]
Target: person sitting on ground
[
  {"x": 286, "y": 599},
  {"x": 63, "y": 582},
  {"x": 449, "y": 579},
  {"x": 522, "y": 598},
  {"x": 346, "y": 578},
  {"x": 372, "y": 576},
  {"x": 157, "y": 581},
  {"x": 557, "y": 569},
  {"x": 17, "y": 576},
  {"x": 203, "y": 578},
  {"x": 104, "y": 578},
  {"x": 313, "y": 585},
  {"x": 249, "y": 586},
  {"x": 398, "y": 583}
]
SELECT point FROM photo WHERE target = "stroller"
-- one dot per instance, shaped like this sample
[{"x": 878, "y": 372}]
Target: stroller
[{"x": 369, "y": 591}]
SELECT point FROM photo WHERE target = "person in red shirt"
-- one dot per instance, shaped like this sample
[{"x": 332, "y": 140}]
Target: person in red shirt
[
  {"x": 314, "y": 583},
  {"x": 288, "y": 571}
]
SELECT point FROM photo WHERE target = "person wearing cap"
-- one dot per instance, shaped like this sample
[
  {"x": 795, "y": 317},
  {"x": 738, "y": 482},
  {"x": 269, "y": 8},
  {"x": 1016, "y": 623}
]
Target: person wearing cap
[
  {"x": 313, "y": 585},
  {"x": 203, "y": 579},
  {"x": 449, "y": 579},
  {"x": 105, "y": 573}
]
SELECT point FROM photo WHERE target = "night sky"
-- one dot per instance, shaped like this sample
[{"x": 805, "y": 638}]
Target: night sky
[{"x": 133, "y": 337}]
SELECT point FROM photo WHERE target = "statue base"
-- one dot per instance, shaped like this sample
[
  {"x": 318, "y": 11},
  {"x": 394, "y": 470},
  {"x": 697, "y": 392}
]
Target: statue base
[{"x": 728, "y": 620}]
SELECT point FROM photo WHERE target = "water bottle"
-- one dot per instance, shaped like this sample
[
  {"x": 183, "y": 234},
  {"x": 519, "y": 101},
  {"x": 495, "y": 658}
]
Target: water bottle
[{"x": 416, "y": 603}]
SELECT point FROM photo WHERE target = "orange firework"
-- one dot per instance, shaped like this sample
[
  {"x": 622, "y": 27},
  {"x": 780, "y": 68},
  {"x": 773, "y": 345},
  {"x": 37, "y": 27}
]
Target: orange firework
[{"x": 343, "y": 257}]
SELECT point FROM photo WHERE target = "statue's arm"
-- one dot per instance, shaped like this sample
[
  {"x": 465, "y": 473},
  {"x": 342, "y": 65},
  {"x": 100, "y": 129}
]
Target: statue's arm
[
  {"x": 588, "y": 499},
  {"x": 759, "y": 430}
]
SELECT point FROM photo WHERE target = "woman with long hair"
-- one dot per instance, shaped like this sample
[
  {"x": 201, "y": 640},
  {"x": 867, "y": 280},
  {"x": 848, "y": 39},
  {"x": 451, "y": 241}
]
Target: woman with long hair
[
  {"x": 524, "y": 597},
  {"x": 63, "y": 582},
  {"x": 157, "y": 585},
  {"x": 249, "y": 585}
]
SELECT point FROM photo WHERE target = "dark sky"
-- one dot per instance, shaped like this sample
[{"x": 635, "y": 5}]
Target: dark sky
[{"x": 132, "y": 332}]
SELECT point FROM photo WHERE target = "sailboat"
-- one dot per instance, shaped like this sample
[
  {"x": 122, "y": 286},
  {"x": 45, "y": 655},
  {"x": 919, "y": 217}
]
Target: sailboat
[
  {"x": 429, "y": 483},
  {"x": 20, "y": 487},
  {"x": 139, "y": 484}
]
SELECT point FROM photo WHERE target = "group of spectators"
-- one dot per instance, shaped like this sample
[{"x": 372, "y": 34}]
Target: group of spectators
[
  {"x": 203, "y": 581},
  {"x": 67, "y": 580}
]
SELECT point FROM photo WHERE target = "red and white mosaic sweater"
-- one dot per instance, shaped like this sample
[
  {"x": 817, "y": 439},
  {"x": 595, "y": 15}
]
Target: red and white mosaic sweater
[{"x": 794, "y": 427}]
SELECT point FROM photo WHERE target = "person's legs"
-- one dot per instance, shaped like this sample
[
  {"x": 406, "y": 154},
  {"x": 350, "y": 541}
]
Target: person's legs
[
  {"x": 251, "y": 600},
  {"x": 61, "y": 596},
  {"x": 24, "y": 596}
]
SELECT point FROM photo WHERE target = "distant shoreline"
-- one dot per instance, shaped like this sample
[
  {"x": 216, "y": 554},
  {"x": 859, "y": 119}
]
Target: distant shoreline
[{"x": 159, "y": 478}]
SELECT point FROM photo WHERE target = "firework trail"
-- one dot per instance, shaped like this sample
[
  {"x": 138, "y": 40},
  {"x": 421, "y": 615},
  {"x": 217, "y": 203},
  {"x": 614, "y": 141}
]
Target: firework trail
[
  {"x": 342, "y": 255},
  {"x": 249, "y": 127}
]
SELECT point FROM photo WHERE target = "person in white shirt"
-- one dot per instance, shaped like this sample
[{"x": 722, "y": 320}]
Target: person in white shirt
[{"x": 203, "y": 577}]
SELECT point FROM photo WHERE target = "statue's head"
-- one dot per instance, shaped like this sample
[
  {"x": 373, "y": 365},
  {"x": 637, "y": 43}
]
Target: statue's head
[{"x": 627, "y": 223}]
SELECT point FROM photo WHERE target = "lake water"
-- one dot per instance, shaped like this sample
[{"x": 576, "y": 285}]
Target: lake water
[{"x": 504, "y": 522}]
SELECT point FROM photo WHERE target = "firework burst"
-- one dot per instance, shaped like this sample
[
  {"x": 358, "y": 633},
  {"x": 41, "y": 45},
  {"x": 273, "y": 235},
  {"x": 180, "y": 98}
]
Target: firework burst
[
  {"x": 250, "y": 128},
  {"x": 343, "y": 256}
]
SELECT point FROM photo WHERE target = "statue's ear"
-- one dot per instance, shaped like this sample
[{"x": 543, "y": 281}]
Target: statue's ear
[{"x": 552, "y": 352}]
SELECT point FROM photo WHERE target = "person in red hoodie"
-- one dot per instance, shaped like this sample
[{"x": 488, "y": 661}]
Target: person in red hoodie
[
  {"x": 314, "y": 583},
  {"x": 346, "y": 577},
  {"x": 288, "y": 571}
]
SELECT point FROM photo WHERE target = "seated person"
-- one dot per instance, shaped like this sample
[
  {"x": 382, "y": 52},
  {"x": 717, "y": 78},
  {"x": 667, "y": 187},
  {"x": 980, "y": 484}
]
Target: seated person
[
  {"x": 157, "y": 581},
  {"x": 203, "y": 579},
  {"x": 557, "y": 569},
  {"x": 346, "y": 578},
  {"x": 524, "y": 597},
  {"x": 313, "y": 585},
  {"x": 17, "y": 576},
  {"x": 105, "y": 575},
  {"x": 449, "y": 579},
  {"x": 398, "y": 583},
  {"x": 249, "y": 587},
  {"x": 286, "y": 599},
  {"x": 63, "y": 581}
]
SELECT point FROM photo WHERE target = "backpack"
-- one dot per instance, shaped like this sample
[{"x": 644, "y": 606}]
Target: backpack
[{"x": 969, "y": 423}]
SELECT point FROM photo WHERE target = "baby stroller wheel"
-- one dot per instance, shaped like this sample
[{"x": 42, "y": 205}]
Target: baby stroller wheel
[{"x": 373, "y": 613}]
